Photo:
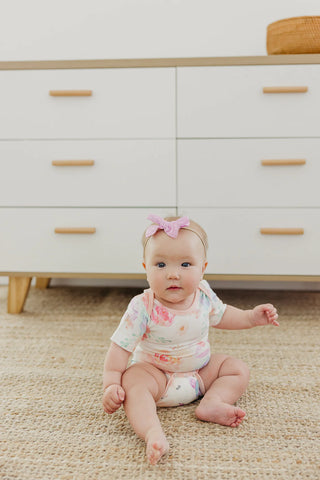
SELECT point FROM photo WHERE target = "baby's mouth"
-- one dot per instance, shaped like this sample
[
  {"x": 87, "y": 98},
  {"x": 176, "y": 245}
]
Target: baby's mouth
[{"x": 174, "y": 287}]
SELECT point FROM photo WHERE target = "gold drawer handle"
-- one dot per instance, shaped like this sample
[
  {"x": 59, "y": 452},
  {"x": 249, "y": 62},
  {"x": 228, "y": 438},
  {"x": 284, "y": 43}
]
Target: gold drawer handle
[
  {"x": 75, "y": 230},
  {"x": 287, "y": 161},
  {"x": 282, "y": 231},
  {"x": 72, "y": 163},
  {"x": 285, "y": 89},
  {"x": 70, "y": 93}
]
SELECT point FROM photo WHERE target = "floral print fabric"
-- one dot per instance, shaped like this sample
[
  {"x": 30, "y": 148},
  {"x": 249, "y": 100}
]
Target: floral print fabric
[{"x": 173, "y": 340}]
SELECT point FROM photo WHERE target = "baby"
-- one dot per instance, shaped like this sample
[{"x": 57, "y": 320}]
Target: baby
[{"x": 166, "y": 330}]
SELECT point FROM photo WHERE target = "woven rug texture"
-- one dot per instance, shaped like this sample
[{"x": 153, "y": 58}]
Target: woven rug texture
[{"x": 53, "y": 426}]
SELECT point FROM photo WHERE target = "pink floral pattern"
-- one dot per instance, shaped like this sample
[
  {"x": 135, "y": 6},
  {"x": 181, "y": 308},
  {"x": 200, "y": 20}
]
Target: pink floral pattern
[
  {"x": 176, "y": 341},
  {"x": 161, "y": 316}
]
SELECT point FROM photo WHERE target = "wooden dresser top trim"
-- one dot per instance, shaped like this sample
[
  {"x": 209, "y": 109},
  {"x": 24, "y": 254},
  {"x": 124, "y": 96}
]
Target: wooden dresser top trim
[{"x": 162, "y": 62}]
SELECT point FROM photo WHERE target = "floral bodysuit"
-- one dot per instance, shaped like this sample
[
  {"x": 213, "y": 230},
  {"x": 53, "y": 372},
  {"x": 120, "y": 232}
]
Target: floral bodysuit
[{"x": 172, "y": 340}]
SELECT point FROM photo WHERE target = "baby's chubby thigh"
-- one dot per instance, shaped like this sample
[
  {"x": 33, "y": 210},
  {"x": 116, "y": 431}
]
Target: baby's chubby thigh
[{"x": 142, "y": 377}]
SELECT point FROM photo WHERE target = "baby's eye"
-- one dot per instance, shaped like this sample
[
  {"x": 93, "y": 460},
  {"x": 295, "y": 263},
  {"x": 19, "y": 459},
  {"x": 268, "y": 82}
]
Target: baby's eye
[
  {"x": 185, "y": 264},
  {"x": 161, "y": 264}
]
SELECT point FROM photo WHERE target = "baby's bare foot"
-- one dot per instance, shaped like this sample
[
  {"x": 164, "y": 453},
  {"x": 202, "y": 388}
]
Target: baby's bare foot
[
  {"x": 157, "y": 446},
  {"x": 219, "y": 412}
]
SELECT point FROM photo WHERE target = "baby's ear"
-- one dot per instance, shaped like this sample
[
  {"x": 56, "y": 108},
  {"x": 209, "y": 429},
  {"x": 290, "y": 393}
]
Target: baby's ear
[{"x": 204, "y": 266}]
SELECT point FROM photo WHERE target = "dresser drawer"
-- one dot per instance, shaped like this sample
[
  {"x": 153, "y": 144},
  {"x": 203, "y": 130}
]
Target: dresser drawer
[
  {"x": 125, "y": 103},
  {"x": 229, "y": 101},
  {"x": 124, "y": 173},
  {"x": 236, "y": 245},
  {"x": 249, "y": 173},
  {"x": 29, "y": 242}
]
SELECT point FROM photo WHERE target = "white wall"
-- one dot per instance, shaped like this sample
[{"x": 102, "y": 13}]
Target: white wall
[{"x": 83, "y": 29}]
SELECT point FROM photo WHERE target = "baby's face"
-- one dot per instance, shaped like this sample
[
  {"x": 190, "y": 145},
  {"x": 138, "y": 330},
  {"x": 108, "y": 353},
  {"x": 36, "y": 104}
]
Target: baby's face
[{"x": 175, "y": 267}]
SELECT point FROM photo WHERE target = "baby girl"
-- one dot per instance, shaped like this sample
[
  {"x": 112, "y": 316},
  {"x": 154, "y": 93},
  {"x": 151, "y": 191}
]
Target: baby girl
[{"x": 165, "y": 329}]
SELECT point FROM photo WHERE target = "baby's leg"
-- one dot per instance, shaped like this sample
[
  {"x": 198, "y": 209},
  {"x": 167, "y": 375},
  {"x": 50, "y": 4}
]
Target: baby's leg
[
  {"x": 144, "y": 384},
  {"x": 225, "y": 380}
]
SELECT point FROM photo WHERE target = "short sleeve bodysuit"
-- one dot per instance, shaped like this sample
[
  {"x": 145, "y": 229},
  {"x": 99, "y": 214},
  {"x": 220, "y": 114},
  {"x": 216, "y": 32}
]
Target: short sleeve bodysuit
[{"x": 173, "y": 340}]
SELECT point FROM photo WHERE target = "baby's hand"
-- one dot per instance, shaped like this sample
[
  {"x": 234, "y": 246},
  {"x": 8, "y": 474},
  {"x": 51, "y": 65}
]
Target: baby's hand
[
  {"x": 113, "y": 398},
  {"x": 264, "y": 315}
]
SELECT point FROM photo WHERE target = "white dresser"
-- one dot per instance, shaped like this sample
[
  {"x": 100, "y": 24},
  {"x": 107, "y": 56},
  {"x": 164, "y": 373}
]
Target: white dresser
[
  {"x": 89, "y": 148},
  {"x": 85, "y": 155},
  {"x": 249, "y": 163}
]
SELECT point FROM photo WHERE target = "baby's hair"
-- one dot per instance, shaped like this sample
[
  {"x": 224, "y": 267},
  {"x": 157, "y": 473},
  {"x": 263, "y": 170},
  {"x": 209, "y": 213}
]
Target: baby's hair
[{"x": 193, "y": 227}]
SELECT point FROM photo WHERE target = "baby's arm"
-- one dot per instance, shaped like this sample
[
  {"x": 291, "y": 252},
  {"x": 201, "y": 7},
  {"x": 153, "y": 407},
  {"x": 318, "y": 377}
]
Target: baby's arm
[
  {"x": 115, "y": 364},
  {"x": 237, "y": 319}
]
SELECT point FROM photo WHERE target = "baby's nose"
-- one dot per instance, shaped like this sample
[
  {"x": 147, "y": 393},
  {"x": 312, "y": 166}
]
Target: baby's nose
[{"x": 173, "y": 273}]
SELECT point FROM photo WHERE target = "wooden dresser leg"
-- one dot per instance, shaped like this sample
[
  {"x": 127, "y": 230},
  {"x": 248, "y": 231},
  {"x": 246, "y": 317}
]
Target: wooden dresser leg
[
  {"x": 18, "y": 291},
  {"x": 42, "y": 282}
]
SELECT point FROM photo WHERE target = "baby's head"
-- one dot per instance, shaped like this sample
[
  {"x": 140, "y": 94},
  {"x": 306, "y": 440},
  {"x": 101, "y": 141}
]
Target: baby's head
[
  {"x": 172, "y": 226},
  {"x": 174, "y": 258}
]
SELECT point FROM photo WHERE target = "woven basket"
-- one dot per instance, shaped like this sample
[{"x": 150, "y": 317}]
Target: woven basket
[{"x": 294, "y": 36}]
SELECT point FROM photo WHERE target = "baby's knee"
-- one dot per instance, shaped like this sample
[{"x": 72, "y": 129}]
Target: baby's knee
[
  {"x": 237, "y": 367},
  {"x": 242, "y": 369},
  {"x": 130, "y": 379},
  {"x": 139, "y": 378}
]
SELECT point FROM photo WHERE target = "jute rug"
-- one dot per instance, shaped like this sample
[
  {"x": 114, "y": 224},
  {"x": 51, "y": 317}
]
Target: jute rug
[{"x": 53, "y": 426}]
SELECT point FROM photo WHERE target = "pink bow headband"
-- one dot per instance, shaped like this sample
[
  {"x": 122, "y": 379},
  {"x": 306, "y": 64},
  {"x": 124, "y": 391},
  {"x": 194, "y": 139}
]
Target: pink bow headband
[{"x": 170, "y": 228}]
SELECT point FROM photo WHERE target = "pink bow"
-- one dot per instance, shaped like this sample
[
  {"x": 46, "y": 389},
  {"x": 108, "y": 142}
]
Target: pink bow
[{"x": 170, "y": 228}]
